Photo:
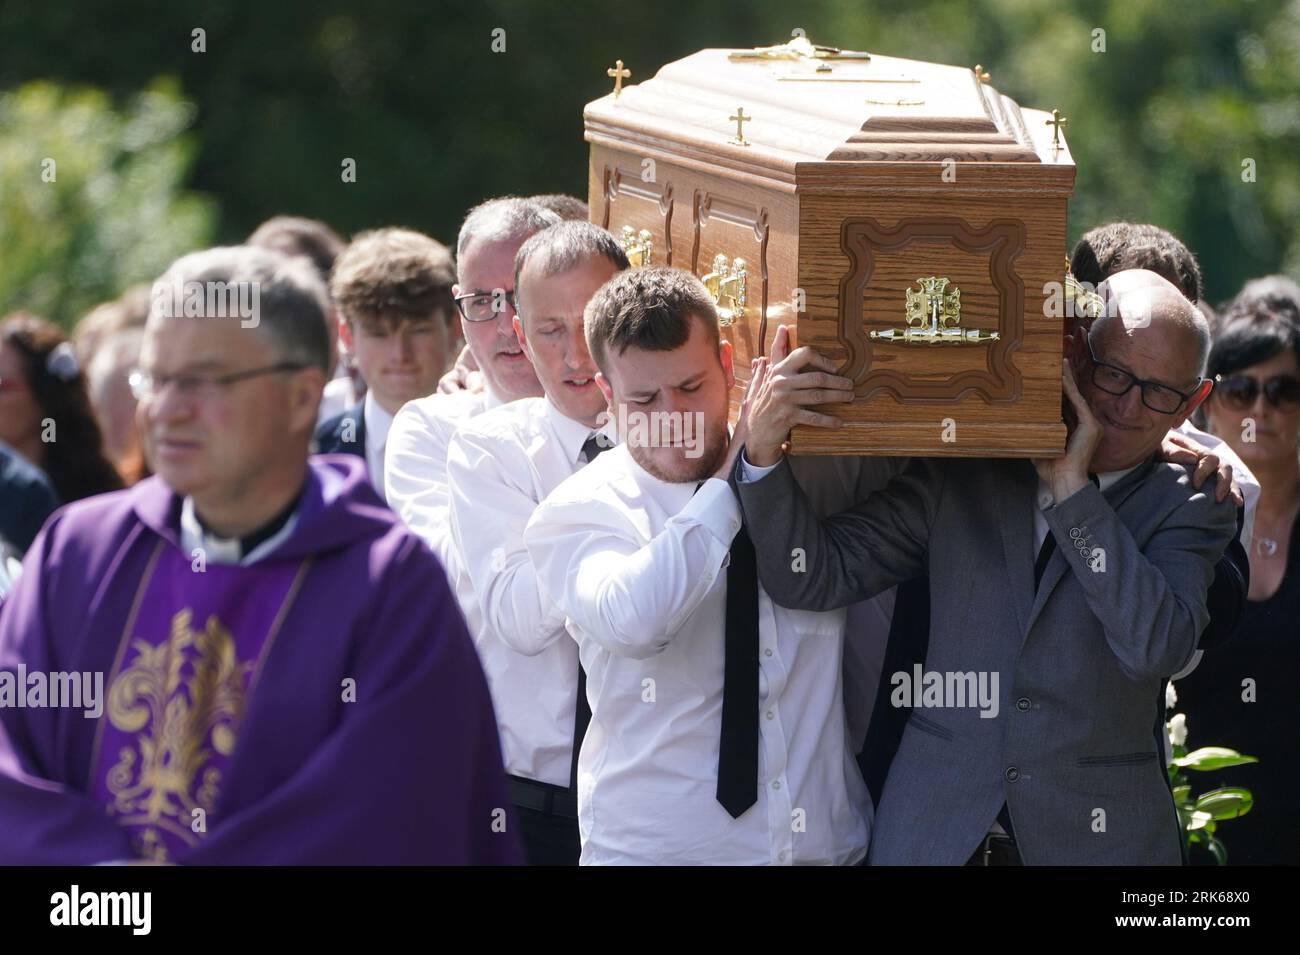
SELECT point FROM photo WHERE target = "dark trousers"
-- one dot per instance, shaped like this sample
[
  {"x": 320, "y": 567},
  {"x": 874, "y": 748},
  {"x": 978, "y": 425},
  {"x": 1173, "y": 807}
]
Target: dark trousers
[{"x": 548, "y": 839}]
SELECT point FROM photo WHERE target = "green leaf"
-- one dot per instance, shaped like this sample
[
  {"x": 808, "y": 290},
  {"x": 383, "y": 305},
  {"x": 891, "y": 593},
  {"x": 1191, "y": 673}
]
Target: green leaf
[
  {"x": 1228, "y": 802},
  {"x": 1213, "y": 757}
]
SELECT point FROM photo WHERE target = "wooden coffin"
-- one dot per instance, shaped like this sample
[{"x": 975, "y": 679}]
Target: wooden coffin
[{"x": 907, "y": 218}]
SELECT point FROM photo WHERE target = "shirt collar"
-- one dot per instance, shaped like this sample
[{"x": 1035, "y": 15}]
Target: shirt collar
[
  {"x": 1107, "y": 478},
  {"x": 490, "y": 399},
  {"x": 574, "y": 434}
]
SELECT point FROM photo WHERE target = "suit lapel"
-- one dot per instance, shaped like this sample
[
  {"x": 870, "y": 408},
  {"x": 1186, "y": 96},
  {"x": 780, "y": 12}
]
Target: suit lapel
[
  {"x": 1016, "y": 520},
  {"x": 358, "y": 443},
  {"x": 1115, "y": 495}
]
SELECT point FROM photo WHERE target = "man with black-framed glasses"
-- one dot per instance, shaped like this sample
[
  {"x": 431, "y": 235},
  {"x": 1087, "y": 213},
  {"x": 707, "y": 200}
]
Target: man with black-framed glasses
[
  {"x": 1078, "y": 583},
  {"x": 283, "y": 675},
  {"x": 415, "y": 460}
]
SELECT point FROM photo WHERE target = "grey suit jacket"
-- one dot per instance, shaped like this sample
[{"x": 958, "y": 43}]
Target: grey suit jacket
[{"x": 1081, "y": 664}]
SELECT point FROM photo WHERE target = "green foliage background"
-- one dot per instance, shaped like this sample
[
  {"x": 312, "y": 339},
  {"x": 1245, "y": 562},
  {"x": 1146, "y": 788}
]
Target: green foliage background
[{"x": 200, "y": 147}]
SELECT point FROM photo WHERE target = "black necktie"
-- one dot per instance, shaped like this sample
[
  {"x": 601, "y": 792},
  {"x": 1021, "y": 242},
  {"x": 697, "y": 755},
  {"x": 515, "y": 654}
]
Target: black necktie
[
  {"x": 594, "y": 446},
  {"x": 591, "y": 449},
  {"x": 1049, "y": 545},
  {"x": 1044, "y": 555},
  {"x": 738, "y": 750}
]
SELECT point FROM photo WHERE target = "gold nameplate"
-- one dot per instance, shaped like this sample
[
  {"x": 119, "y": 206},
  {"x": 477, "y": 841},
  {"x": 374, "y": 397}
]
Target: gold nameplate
[{"x": 933, "y": 315}]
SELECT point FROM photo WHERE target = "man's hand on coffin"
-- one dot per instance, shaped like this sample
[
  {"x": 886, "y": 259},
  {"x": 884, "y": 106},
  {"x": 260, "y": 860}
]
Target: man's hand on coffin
[
  {"x": 758, "y": 372},
  {"x": 1180, "y": 449},
  {"x": 1069, "y": 472},
  {"x": 793, "y": 385}
]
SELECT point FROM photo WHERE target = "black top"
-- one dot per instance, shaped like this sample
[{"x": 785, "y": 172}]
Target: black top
[
  {"x": 1265, "y": 650},
  {"x": 26, "y": 499}
]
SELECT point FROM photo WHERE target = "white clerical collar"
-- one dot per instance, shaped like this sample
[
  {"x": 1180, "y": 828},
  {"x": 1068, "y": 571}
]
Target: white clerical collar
[
  {"x": 574, "y": 434},
  {"x": 378, "y": 421},
  {"x": 225, "y": 550},
  {"x": 490, "y": 399}
]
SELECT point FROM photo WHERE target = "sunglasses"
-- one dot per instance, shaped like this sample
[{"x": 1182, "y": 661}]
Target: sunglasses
[{"x": 1240, "y": 391}]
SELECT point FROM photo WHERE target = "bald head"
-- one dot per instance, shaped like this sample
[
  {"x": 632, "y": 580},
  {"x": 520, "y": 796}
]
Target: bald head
[
  {"x": 1138, "y": 299},
  {"x": 1140, "y": 368}
]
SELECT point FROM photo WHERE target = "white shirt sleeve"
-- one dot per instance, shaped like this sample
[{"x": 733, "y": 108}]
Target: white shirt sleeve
[
  {"x": 1245, "y": 480},
  {"x": 415, "y": 476},
  {"x": 749, "y": 473},
  {"x": 628, "y": 596},
  {"x": 489, "y": 511}
]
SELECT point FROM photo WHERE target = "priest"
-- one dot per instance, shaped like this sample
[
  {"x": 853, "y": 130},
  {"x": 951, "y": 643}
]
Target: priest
[{"x": 287, "y": 677}]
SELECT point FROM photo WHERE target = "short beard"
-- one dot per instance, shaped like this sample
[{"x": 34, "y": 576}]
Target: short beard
[{"x": 698, "y": 469}]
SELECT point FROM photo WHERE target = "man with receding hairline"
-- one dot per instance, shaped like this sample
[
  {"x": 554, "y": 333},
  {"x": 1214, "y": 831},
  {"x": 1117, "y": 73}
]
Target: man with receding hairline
[
  {"x": 1078, "y": 584},
  {"x": 500, "y": 465},
  {"x": 288, "y": 679},
  {"x": 415, "y": 458}
]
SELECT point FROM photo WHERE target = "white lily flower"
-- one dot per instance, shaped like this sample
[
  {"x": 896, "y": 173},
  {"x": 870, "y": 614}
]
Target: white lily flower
[
  {"x": 1178, "y": 729},
  {"x": 1171, "y": 695}
]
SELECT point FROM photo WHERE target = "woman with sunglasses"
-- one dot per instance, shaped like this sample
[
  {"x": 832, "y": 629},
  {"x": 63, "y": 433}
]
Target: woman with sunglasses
[{"x": 1242, "y": 695}]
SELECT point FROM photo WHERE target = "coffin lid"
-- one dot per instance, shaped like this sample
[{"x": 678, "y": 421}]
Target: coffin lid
[{"x": 879, "y": 110}]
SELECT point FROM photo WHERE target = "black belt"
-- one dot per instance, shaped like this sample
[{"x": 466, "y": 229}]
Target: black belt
[
  {"x": 995, "y": 849},
  {"x": 543, "y": 797}
]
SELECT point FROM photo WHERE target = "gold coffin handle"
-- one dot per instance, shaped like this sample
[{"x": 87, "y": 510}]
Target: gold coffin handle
[
  {"x": 933, "y": 316},
  {"x": 639, "y": 246},
  {"x": 726, "y": 283}
]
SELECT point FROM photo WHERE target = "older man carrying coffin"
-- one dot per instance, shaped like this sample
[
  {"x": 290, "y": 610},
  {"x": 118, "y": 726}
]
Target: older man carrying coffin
[{"x": 1064, "y": 766}]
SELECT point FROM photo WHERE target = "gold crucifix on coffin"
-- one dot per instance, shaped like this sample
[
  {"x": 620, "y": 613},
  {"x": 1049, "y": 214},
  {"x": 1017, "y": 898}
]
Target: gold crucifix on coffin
[{"x": 810, "y": 62}]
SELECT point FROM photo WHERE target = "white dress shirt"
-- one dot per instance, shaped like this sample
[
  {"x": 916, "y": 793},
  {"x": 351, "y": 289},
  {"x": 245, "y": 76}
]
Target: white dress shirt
[
  {"x": 638, "y": 565},
  {"x": 378, "y": 422},
  {"x": 415, "y": 463},
  {"x": 500, "y": 466}
]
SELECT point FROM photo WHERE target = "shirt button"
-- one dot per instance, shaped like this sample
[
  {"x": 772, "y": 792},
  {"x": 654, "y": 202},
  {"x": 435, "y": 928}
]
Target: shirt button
[
  {"x": 767, "y": 652},
  {"x": 780, "y": 856},
  {"x": 771, "y": 715},
  {"x": 776, "y": 784},
  {"x": 1022, "y": 704},
  {"x": 1012, "y": 774}
]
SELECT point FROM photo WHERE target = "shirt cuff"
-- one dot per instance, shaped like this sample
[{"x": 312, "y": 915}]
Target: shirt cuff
[
  {"x": 749, "y": 473},
  {"x": 715, "y": 507}
]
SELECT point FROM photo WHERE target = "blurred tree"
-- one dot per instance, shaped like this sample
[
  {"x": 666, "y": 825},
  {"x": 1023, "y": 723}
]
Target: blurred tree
[
  {"x": 1163, "y": 110},
  {"x": 91, "y": 199}
]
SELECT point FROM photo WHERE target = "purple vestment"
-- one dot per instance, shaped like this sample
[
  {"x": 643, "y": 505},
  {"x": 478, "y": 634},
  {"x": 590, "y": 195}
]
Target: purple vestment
[{"x": 324, "y": 704}]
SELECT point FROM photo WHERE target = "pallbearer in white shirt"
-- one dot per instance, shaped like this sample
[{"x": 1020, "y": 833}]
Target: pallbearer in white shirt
[
  {"x": 415, "y": 463},
  {"x": 718, "y": 727},
  {"x": 500, "y": 466}
]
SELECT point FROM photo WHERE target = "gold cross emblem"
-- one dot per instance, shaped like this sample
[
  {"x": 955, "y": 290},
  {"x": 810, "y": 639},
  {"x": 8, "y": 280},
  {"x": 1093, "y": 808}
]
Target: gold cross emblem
[
  {"x": 618, "y": 74},
  {"x": 1056, "y": 122},
  {"x": 740, "y": 119}
]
